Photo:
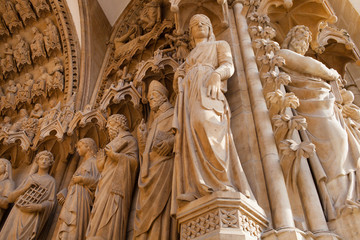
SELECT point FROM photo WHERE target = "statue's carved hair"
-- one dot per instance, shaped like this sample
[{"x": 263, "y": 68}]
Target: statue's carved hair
[
  {"x": 121, "y": 120},
  {"x": 195, "y": 20},
  {"x": 44, "y": 153},
  {"x": 89, "y": 144},
  {"x": 292, "y": 33}
]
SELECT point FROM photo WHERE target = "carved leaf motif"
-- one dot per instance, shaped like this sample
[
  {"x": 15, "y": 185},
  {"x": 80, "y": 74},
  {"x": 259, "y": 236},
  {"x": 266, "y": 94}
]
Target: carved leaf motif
[{"x": 290, "y": 100}]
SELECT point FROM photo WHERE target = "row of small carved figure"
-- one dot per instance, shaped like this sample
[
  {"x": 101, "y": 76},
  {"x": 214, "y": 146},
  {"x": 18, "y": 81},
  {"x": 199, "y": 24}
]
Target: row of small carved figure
[
  {"x": 24, "y": 54},
  {"x": 37, "y": 120},
  {"x": 21, "y": 14},
  {"x": 17, "y": 93}
]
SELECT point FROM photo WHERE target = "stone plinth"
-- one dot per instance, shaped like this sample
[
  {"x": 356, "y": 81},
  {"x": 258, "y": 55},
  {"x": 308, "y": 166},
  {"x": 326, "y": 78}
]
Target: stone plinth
[{"x": 222, "y": 215}]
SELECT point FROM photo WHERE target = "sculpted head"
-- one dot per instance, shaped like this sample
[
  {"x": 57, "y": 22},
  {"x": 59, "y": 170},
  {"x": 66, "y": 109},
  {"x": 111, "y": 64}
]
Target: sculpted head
[
  {"x": 200, "y": 27},
  {"x": 298, "y": 39},
  {"x": 44, "y": 159},
  {"x": 86, "y": 145},
  {"x": 115, "y": 123},
  {"x": 158, "y": 94}
]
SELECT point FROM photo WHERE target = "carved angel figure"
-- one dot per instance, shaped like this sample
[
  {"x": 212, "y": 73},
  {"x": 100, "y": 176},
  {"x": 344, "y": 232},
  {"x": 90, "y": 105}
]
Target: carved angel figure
[
  {"x": 118, "y": 164},
  {"x": 78, "y": 198},
  {"x": 37, "y": 45},
  {"x": 203, "y": 141},
  {"x": 40, "y": 6},
  {"x": 10, "y": 17},
  {"x": 7, "y": 184},
  {"x": 8, "y": 63},
  {"x": 51, "y": 37},
  {"x": 25, "y": 11},
  {"x": 22, "y": 53},
  {"x": 34, "y": 200},
  {"x": 336, "y": 149}
]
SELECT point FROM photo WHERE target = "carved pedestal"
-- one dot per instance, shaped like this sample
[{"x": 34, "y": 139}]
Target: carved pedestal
[{"x": 222, "y": 215}]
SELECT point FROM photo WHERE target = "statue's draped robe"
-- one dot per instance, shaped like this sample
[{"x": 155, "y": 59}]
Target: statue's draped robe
[
  {"x": 109, "y": 215},
  {"x": 206, "y": 160},
  {"x": 75, "y": 213},
  {"x": 22, "y": 225},
  {"x": 152, "y": 219},
  {"x": 328, "y": 131}
]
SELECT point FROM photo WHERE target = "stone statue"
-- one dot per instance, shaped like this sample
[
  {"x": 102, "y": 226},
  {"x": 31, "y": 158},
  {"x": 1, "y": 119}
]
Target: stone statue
[
  {"x": 22, "y": 53},
  {"x": 156, "y": 151},
  {"x": 37, "y": 45},
  {"x": 45, "y": 78},
  {"x": 18, "y": 125},
  {"x": 7, "y": 184},
  {"x": 38, "y": 89},
  {"x": 40, "y": 6},
  {"x": 57, "y": 73},
  {"x": 37, "y": 112},
  {"x": 77, "y": 199},
  {"x": 133, "y": 32},
  {"x": 24, "y": 93},
  {"x": 206, "y": 160},
  {"x": 51, "y": 37},
  {"x": 6, "y": 125},
  {"x": 7, "y": 63},
  {"x": 150, "y": 15},
  {"x": 34, "y": 200},
  {"x": 25, "y": 11},
  {"x": 325, "y": 125},
  {"x": 10, "y": 92},
  {"x": 11, "y": 18},
  {"x": 118, "y": 164}
]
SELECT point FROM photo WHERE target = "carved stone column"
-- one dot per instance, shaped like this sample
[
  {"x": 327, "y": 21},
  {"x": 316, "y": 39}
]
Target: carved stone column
[
  {"x": 221, "y": 215},
  {"x": 279, "y": 201}
]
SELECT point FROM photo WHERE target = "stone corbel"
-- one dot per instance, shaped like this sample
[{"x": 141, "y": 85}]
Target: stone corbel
[
  {"x": 54, "y": 128},
  {"x": 116, "y": 96},
  {"x": 21, "y": 136},
  {"x": 82, "y": 118},
  {"x": 335, "y": 48}
]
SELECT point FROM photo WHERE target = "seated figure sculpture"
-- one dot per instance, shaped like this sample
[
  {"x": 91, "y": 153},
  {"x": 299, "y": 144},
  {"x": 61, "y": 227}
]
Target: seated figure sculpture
[
  {"x": 118, "y": 165},
  {"x": 206, "y": 160},
  {"x": 77, "y": 203},
  {"x": 34, "y": 200},
  {"x": 336, "y": 149}
]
